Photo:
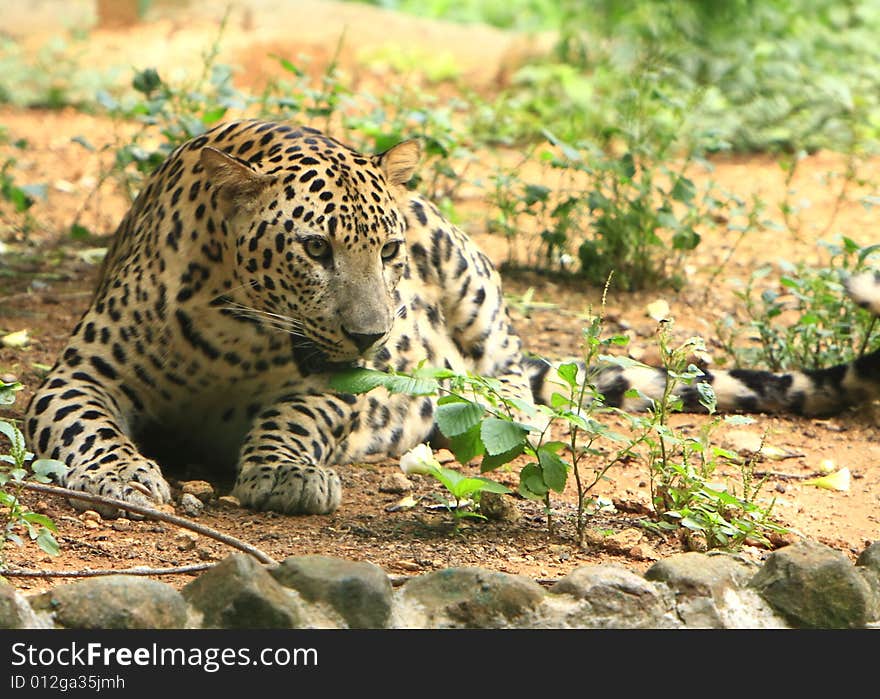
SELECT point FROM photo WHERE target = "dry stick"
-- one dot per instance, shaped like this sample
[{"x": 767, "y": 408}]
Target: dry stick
[
  {"x": 89, "y": 573},
  {"x": 152, "y": 514}
]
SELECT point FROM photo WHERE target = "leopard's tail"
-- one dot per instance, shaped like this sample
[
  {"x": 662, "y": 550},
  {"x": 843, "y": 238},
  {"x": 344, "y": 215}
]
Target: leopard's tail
[{"x": 813, "y": 392}]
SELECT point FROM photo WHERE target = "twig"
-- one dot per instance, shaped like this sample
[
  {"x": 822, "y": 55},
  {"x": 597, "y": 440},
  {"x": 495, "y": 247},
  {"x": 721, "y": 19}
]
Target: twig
[
  {"x": 401, "y": 580},
  {"x": 88, "y": 573},
  {"x": 151, "y": 514}
]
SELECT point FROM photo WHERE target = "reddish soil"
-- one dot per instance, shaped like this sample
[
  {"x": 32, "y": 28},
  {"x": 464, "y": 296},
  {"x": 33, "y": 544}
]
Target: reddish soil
[{"x": 45, "y": 285}]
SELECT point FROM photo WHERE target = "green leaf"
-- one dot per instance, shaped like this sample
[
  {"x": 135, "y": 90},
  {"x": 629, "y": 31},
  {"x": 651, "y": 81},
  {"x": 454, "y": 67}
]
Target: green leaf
[
  {"x": 411, "y": 385},
  {"x": 467, "y": 446},
  {"x": 146, "y": 81},
  {"x": 568, "y": 372},
  {"x": 11, "y": 431},
  {"x": 535, "y": 193},
  {"x": 48, "y": 468},
  {"x": 84, "y": 142},
  {"x": 47, "y": 542},
  {"x": 358, "y": 380},
  {"x": 501, "y": 436},
  {"x": 37, "y": 519},
  {"x": 558, "y": 401},
  {"x": 554, "y": 469},
  {"x": 683, "y": 190},
  {"x": 365, "y": 380},
  {"x": 531, "y": 483},
  {"x": 492, "y": 461},
  {"x": 462, "y": 486},
  {"x": 79, "y": 232},
  {"x": 457, "y": 418},
  {"x": 214, "y": 115}
]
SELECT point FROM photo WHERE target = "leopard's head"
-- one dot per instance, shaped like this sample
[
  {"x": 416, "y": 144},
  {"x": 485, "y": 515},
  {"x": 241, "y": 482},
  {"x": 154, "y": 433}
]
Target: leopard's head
[{"x": 318, "y": 240}]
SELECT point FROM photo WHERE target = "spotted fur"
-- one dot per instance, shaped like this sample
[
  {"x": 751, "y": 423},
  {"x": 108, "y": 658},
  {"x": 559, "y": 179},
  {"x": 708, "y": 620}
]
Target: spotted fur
[{"x": 257, "y": 259}]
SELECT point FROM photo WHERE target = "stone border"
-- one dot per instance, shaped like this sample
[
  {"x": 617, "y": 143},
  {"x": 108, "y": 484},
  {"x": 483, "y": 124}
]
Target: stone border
[{"x": 804, "y": 585}]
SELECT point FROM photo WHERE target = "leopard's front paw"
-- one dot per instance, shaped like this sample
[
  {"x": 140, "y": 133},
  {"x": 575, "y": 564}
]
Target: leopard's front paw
[
  {"x": 289, "y": 488},
  {"x": 138, "y": 482}
]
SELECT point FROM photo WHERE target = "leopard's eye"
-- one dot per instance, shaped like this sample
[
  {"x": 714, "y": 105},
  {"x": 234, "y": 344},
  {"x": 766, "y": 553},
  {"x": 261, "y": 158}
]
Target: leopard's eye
[
  {"x": 390, "y": 250},
  {"x": 317, "y": 248}
]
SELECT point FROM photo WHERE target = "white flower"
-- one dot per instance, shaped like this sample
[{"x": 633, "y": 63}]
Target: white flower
[{"x": 420, "y": 459}]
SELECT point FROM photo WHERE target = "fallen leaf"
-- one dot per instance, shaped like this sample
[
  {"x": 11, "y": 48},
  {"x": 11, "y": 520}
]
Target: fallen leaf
[
  {"x": 658, "y": 310},
  {"x": 16, "y": 339},
  {"x": 405, "y": 503},
  {"x": 839, "y": 480},
  {"x": 92, "y": 256}
]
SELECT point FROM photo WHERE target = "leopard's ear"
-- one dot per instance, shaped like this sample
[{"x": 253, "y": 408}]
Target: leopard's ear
[
  {"x": 236, "y": 184},
  {"x": 399, "y": 162}
]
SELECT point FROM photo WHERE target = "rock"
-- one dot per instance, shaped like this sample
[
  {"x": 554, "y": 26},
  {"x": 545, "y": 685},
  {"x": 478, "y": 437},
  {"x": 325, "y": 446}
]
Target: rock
[
  {"x": 499, "y": 507},
  {"x": 619, "y": 542},
  {"x": 624, "y": 539},
  {"x": 15, "y": 612},
  {"x": 696, "y": 541},
  {"x": 229, "y": 501},
  {"x": 815, "y": 586},
  {"x": 202, "y": 490},
  {"x": 395, "y": 482},
  {"x": 780, "y": 539},
  {"x": 610, "y": 596},
  {"x": 114, "y": 602},
  {"x": 870, "y": 557},
  {"x": 121, "y": 524},
  {"x": 359, "y": 592},
  {"x": 743, "y": 442},
  {"x": 469, "y": 598},
  {"x": 643, "y": 552},
  {"x": 238, "y": 593},
  {"x": 190, "y": 505},
  {"x": 711, "y": 591},
  {"x": 186, "y": 541}
]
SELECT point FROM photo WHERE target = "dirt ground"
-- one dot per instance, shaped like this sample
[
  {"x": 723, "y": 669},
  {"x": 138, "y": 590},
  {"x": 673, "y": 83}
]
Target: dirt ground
[{"x": 45, "y": 284}]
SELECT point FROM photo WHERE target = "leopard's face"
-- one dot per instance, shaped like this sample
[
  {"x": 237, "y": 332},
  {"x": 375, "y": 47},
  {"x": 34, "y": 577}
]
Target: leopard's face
[{"x": 319, "y": 252}]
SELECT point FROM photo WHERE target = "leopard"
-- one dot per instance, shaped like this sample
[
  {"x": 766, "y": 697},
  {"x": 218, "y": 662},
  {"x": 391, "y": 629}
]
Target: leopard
[{"x": 258, "y": 260}]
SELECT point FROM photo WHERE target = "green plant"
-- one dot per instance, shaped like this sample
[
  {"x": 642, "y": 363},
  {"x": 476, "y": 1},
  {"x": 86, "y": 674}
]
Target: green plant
[
  {"x": 176, "y": 112},
  {"x": 21, "y": 197},
  {"x": 482, "y": 420},
  {"x": 826, "y": 328},
  {"x": 52, "y": 77},
  {"x": 14, "y": 467},
  {"x": 420, "y": 460},
  {"x": 681, "y": 467}
]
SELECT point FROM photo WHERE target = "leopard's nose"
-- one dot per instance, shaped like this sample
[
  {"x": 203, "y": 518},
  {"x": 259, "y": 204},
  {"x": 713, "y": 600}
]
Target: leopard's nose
[{"x": 363, "y": 341}]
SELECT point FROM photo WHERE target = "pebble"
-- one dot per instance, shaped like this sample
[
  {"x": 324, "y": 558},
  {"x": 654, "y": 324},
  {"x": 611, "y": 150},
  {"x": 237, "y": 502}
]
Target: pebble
[
  {"x": 624, "y": 540},
  {"x": 121, "y": 525},
  {"x": 498, "y": 507},
  {"x": 203, "y": 490},
  {"x": 229, "y": 500},
  {"x": 696, "y": 541},
  {"x": 190, "y": 505},
  {"x": 185, "y": 541},
  {"x": 91, "y": 524},
  {"x": 90, "y": 516},
  {"x": 395, "y": 482},
  {"x": 644, "y": 552}
]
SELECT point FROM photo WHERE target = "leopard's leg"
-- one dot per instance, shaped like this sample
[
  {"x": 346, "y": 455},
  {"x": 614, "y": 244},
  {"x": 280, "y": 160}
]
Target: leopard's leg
[
  {"x": 84, "y": 423},
  {"x": 285, "y": 461}
]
